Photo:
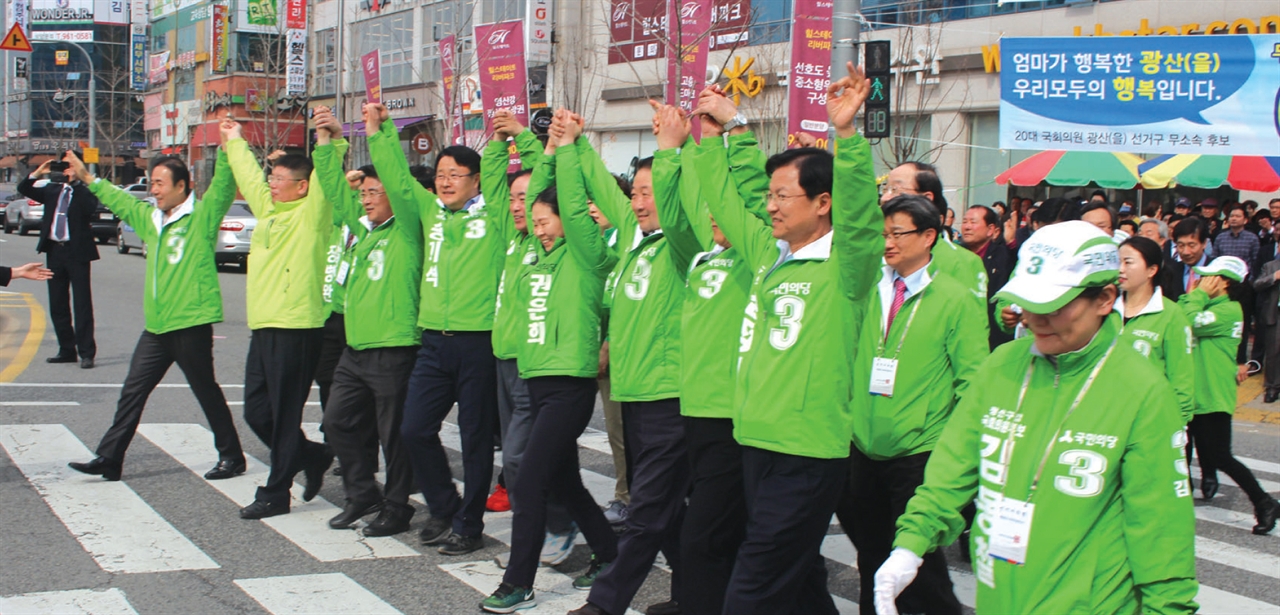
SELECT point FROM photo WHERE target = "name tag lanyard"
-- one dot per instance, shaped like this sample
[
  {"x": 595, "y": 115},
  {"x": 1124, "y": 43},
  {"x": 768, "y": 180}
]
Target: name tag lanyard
[{"x": 884, "y": 339}]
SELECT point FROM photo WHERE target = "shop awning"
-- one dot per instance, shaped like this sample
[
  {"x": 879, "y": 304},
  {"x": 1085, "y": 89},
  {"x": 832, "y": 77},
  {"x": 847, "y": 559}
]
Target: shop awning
[{"x": 357, "y": 128}]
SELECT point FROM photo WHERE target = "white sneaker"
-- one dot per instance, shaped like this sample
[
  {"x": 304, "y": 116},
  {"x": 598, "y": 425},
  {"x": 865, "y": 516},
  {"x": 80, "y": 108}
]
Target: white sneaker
[
  {"x": 557, "y": 547},
  {"x": 616, "y": 512}
]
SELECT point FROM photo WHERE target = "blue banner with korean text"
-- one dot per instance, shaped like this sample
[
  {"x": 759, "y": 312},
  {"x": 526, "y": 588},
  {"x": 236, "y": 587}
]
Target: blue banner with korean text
[{"x": 1143, "y": 94}]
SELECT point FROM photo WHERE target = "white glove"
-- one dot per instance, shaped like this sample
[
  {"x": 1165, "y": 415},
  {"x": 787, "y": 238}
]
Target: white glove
[{"x": 895, "y": 575}]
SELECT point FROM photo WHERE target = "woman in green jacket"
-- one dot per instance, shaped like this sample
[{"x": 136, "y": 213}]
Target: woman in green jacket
[
  {"x": 1153, "y": 325},
  {"x": 561, "y": 294},
  {"x": 1069, "y": 444}
]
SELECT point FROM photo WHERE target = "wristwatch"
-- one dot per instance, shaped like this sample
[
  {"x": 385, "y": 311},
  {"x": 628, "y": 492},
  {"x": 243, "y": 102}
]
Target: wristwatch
[{"x": 738, "y": 120}]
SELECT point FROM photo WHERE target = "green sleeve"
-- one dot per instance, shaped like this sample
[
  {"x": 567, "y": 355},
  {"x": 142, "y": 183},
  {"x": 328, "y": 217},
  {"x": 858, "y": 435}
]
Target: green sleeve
[
  {"x": 933, "y": 518},
  {"x": 1209, "y": 321},
  {"x": 493, "y": 185},
  {"x": 681, "y": 238},
  {"x": 1001, "y": 304},
  {"x": 1160, "y": 555},
  {"x": 134, "y": 212},
  {"x": 751, "y": 235},
  {"x": 856, "y": 218},
  {"x": 692, "y": 202},
  {"x": 249, "y": 178},
  {"x": 746, "y": 167},
  {"x": 406, "y": 194},
  {"x": 1179, "y": 363},
  {"x": 967, "y": 346},
  {"x": 221, "y": 193},
  {"x": 333, "y": 181},
  {"x": 530, "y": 149},
  {"x": 543, "y": 177},
  {"x": 581, "y": 234},
  {"x": 603, "y": 190}
]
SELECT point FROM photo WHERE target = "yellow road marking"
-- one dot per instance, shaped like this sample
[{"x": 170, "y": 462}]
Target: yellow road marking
[{"x": 30, "y": 345}]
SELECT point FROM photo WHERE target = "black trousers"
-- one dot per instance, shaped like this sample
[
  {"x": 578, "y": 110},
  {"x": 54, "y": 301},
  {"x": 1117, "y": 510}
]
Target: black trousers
[
  {"x": 562, "y": 407},
  {"x": 366, "y": 406},
  {"x": 192, "y": 350},
  {"x": 335, "y": 341},
  {"x": 875, "y": 495},
  {"x": 277, "y": 381},
  {"x": 790, "y": 500},
  {"x": 658, "y": 469},
  {"x": 71, "y": 278},
  {"x": 716, "y": 519},
  {"x": 453, "y": 367},
  {"x": 1211, "y": 435}
]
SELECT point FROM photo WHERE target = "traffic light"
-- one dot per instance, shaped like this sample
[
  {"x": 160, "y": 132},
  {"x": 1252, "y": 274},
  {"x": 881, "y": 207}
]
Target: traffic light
[{"x": 875, "y": 61}]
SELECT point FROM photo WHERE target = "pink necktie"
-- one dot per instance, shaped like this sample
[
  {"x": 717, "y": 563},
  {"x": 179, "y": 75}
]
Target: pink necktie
[{"x": 899, "y": 297}]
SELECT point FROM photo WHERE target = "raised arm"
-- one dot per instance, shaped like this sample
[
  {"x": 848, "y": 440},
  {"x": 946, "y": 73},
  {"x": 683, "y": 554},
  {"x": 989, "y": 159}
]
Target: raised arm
[
  {"x": 749, "y": 234},
  {"x": 582, "y": 237},
  {"x": 408, "y": 197},
  {"x": 855, "y": 204},
  {"x": 1210, "y": 321},
  {"x": 746, "y": 168},
  {"x": 246, "y": 170},
  {"x": 602, "y": 189},
  {"x": 221, "y": 193},
  {"x": 673, "y": 132}
]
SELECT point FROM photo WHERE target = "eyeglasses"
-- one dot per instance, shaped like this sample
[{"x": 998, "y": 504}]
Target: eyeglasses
[
  {"x": 280, "y": 180},
  {"x": 774, "y": 197},
  {"x": 898, "y": 235},
  {"x": 452, "y": 178},
  {"x": 887, "y": 189},
  {"x": 371, "y": 194}
]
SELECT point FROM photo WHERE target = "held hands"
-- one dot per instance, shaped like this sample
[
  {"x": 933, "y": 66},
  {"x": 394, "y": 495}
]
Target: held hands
[
  {"x": 327, "y": 126},
  {"x": 77, "y": 168},
  {"x": 712, "y": 102},
  {"x": 230, "y": 129},
  {"x": 506, "y": 125},
  {"x": 276, "y": 155},
  {"x": 31, "y": 271},
  {"x": 567, "y": 127},
  {"x": 845, "y": 97},
  {"x": 805, "y": 139},
  {"x": 374, "y": 115},
  {"x": 895, "y": 575},
  {"x": 672, "y": 125}
]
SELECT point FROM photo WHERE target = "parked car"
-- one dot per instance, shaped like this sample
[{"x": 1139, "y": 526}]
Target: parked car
[
  {"x": 23, "y": 215},
  {"x": 4, "y": 203},
  {"x": 232, "y": 245}
]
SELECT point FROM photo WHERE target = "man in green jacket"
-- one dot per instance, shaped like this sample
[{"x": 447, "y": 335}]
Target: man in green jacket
[
  {"x": 917, "y": 351},
  {"x": 1216, "y": 324},
  {"x": 286, "y": 316},
  {"x": 181, "y": 301},
  {"x": 381, "y": 292},
  {"x": 462, "y": 261}
]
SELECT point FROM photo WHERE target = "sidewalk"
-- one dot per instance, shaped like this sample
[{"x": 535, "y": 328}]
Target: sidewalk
[{"x": 1249, "y": 404}]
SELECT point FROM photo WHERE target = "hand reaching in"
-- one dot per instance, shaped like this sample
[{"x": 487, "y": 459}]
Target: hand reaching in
[{"x": 845, "y": 98}]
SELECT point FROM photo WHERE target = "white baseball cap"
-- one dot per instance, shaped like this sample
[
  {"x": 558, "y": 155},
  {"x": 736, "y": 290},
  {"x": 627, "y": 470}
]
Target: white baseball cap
[
  {"x": 1058, "y": 262},
  {"x": 1227, "y": 267}
]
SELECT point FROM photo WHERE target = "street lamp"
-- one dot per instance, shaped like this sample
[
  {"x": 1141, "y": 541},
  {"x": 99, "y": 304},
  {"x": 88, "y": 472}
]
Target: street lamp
[{"x": 93, "y": 95}]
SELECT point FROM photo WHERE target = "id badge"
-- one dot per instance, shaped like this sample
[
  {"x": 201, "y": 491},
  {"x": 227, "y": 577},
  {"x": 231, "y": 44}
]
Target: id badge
[
  {"x": 1010, "y": 531},
  {"x": 343, "y": 268},
  {"x": 883, "y": 374}
]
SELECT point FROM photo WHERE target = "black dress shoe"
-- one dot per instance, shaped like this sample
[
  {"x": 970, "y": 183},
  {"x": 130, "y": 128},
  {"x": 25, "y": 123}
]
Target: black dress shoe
[
  {"x": 225, "y": 469},
  {"x": 62, "y": 358},
  {"x": 1270, "y": 397},
  {"x": 315, "y": 474},
  {"x": 1208, "y": 487},
  {"x": 588, "y": 609},
  {"x": 393, "y": 520},
  {"x": 352, "y": 512},
  {"x": 457, "y": 544},
  {"x": 1266, "y": 515},
  {"x": 100, "y": 466},
  {"x": 260, "y": 509},
  {"x": 86, "y": 363},
  {"x": 670, "y": 607},
  {"x": 435, "y": 531}
]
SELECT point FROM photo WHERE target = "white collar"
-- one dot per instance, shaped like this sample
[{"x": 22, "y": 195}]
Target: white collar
[
  {"x": 368, "y": 224},
  {"x": 186, "y": 208},
  {"x": 639, "y": 236},
  {"x": 819, "y": 250},
  {"x": 916, "y": 283},
  {"x": 474, "y": 204},
  {"x": 1154, "y": 306}
]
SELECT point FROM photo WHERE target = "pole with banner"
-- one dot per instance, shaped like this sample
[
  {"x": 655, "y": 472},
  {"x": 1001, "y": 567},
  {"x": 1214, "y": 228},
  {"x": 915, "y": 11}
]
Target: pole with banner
[
  {"x": 503, "y": 75},
  {"x": 371, "y": 66},
  {"x": 453, "y": 106},
  {"x": 687, "y": 55},
  {"x": 810, "y": 71},
  {"x": 295, "y": 20}
]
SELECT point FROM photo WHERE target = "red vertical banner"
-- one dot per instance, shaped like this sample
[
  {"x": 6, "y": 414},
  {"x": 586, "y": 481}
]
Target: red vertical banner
[
  {"x": 371, "y": 66},
  {"x": 452, "y": 107},
  {"x": 810, "y": 70},
  {"x": 687, "y": 64},
  {"x": 296, "y": 14},
  {"x": 504, "y": 79}
]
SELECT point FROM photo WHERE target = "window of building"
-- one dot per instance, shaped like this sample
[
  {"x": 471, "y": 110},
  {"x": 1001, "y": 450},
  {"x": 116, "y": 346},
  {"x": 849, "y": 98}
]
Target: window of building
[
  {"x": 492, "y": 11},
  {"x": 392, "y": 36},
  {"x": 184, "y": 85},
  {"x": 440, "y": 20},
  {"x": 259, "y": 53},
  {"x": 186, "y": 40},
  {"x": 325, "y": 62},
  {"x": 770, "y": 23}
]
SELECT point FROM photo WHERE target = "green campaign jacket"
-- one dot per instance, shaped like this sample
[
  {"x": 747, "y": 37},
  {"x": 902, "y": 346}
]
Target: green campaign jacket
[
  {"x": 562, "y": 291},
  {"x": 182, "y": 288},
  {"x": 520, "y": 245},
  {"x": 963, "y": 266},
  {"x": 386, "y": 261},
  {"x": 1216, "y": 324},
  {"x": 1161, "y": 333},
  {"x": 287, "y": 251},
  {"x": 1114, "y": 527},
  {"x": 937, "y": 351}
]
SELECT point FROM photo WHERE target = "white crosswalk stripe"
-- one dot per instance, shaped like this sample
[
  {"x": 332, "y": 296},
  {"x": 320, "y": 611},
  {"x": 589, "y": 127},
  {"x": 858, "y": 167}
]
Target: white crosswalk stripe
[
  {"x": 305, "y": 525},
  {"x": 315, "y": 594},
  {"x": 1269, "y": 486},
  {"x": 118, "y": 529},
  {"x": 69, "y": 602}
]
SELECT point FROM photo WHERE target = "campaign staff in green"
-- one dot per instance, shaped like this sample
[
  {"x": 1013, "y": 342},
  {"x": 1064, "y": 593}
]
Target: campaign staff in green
[
  {"x": 1070, "y": 443},
  {"x": 181, "y": 301}
]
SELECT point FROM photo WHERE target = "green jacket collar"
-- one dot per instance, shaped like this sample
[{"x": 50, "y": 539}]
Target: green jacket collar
[{"x": 1079, "y": 361}]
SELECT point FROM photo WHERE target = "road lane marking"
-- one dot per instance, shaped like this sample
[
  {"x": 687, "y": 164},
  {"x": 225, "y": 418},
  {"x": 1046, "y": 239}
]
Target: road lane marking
[
  {"x": 314, "y": 593},
  {"x": 69, "y": 602},
  {"x": 30, "y": 345},
  {"x": 118, "y": 529},
  {"x": 1239, "y": 557},
  {"x": 307, "y": 524}
]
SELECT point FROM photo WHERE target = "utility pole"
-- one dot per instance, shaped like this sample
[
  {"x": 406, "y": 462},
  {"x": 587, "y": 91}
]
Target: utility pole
[
  {"x": 93, "y": 94},
  {"x": 846, "y": 28},
  {"x": 339, "y": 62}
]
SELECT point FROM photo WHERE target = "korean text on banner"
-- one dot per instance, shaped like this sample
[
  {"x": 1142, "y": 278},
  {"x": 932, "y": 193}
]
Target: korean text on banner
[
  {"x": 810, "y": 71},
  {"x": 371, "y": 66},
  {"x": 221, "y": 28},
  {"x": 296, "y": 15},
  {"x": 687, "y": 65},
  {"x": 138, "y": 62},
  {"x": 452, "y": 103},
  {"x": 503, "y": 75},
  {"x": 296, "y": 57},
  {"x": 1150, "y": 94}
]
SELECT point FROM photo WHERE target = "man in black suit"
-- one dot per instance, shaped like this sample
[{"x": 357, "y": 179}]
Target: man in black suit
[
  {"x": 982, "y": 233},
  {"x": 66, "y": 239},
  {"x": 1190, "y": 238}
]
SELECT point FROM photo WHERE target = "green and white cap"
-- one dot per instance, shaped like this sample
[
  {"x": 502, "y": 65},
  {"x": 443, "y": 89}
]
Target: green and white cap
[
  {"x": 1057, "y": 263},
  {"x": 1227, "y": 267}
]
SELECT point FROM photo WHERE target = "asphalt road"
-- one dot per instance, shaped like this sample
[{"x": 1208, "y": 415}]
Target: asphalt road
[{"x": 164, "y": 540}]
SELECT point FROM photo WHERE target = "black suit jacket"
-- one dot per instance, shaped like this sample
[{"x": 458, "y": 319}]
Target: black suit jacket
[
  {"x": 1171, "y": 284},
  {"x": 998, "y": 262},
  {"x": 80, "y": 214},
  {"x": 6, "y": 274}
]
